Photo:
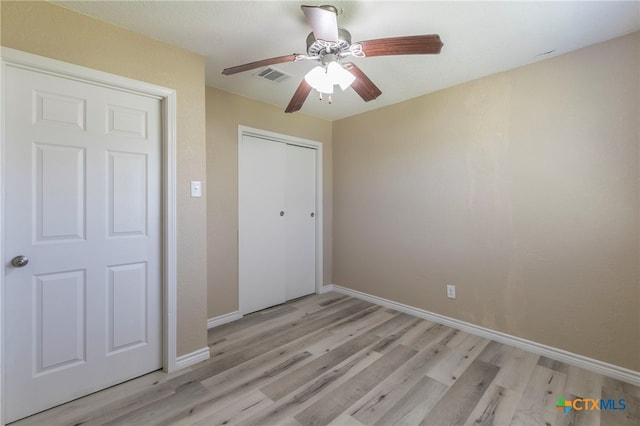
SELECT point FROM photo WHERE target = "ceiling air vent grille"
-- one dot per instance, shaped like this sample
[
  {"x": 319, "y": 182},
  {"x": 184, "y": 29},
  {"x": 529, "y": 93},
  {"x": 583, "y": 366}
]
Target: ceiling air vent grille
[{"x": 273, "y": 75}]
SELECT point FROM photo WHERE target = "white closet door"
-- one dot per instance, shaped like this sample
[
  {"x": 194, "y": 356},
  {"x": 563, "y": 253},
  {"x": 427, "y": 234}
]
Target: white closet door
[
  {"x": 300, "y": 189},
  {"x": 261, "y": 202}
]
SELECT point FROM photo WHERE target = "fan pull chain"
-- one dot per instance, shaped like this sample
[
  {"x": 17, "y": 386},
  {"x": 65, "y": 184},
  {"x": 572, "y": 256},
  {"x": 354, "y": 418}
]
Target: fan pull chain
[{"x": 329, "y": 99}]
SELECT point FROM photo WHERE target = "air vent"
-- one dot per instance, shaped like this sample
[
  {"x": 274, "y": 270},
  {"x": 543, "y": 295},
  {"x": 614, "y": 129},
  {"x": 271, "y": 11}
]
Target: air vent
[{"x": 273, "y": 75}]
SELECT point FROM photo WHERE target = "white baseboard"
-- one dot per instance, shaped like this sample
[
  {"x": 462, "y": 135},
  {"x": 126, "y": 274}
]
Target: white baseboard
[
  {"x": 223, "y": 319},
  {"x": 581, "y": 361},
  {"x": 192, "y": 358}
]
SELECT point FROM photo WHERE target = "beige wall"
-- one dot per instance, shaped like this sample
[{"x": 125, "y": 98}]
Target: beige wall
[
  {"x": 520, "y": 188},
  {"x": 225, "y": 112},
  {"x": 51, "y": 31}
]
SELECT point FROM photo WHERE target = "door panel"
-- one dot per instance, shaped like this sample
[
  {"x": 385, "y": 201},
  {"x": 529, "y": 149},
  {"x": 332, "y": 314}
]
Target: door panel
[
  {"x": 59, "y": 110},
  {"x": 300, "y": 187},
  {"x": 127, "y": 194},
  {"x": 261, "y": 226},
  {"x": 58, "y": 177},
  {"x": 59, "y": 323},
  {"x": 83, "y": 185},
  {"x": 127, "y": 306}
]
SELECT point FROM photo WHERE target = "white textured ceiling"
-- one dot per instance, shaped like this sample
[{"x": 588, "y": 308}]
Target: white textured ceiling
[{"x": 480, "y": 38}]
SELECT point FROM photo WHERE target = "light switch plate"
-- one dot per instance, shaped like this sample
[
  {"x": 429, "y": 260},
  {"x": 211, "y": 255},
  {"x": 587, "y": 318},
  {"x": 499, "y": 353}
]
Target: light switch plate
[{"x": 196, "y": 188}]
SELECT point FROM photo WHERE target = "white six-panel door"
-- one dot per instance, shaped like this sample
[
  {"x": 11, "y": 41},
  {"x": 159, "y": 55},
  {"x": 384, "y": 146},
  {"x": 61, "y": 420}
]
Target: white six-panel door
[
  {"x": 83, "y": 194},
  {"x": 277, "y": 222}
]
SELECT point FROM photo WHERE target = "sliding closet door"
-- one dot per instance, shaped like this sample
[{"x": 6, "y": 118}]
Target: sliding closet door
[
  {"x": 277, "y": 222},
  {"x": 261, "y": 202},
  {"x": 300, "y": 229}
]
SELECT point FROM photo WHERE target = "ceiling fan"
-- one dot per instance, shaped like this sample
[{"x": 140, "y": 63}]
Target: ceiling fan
[{"x": 330, "y": 45}]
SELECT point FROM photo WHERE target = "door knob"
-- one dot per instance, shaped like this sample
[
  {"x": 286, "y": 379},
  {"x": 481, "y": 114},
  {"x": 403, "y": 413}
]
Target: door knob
[
  {"x": 20, "y": 261},
  {"x": 313, "y": 214}
]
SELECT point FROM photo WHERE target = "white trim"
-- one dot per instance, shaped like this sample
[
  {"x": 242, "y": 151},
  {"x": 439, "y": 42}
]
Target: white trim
[
  {"x": 18, "y": 59},
  {"x": 170, "y": 252},
  {"x": 581, "y": 361},
  {"x": 292, "y": 140},
  {"x": 184, "y": 361},
  {"x": 223, "y": 319}
]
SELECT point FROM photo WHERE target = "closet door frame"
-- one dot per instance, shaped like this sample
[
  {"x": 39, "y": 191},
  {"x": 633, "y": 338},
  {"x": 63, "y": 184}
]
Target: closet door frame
[{"x": 291, "y": 140}]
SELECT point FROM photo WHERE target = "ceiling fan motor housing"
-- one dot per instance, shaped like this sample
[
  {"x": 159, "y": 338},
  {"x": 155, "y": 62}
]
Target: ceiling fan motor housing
[{"x": 322, "y": 47}]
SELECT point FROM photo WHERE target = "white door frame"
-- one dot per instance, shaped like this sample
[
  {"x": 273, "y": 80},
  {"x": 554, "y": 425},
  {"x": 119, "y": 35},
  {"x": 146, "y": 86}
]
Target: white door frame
[
  {"x": 167, "y": 97},
  {"x": 292, "y": 140}
]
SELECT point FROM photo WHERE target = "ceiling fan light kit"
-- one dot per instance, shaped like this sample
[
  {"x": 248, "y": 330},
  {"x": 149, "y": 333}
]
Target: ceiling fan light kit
[
  {"x": 323, "y": 78},
  {"x": 330, "y": 45}
]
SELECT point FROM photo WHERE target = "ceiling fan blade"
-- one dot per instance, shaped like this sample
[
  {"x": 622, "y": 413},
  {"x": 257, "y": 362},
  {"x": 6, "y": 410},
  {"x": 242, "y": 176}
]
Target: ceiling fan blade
[
  {"x": 323, "y": 22},
  {"x": 363, "y": 86},
  {"x": 409, "y": 45},
  {"x": 258, "y": 64},
  {"x": 299, "y": 97}
]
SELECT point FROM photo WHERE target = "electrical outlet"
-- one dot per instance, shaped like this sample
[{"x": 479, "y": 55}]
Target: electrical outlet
[{"x": 451, "y": 291}]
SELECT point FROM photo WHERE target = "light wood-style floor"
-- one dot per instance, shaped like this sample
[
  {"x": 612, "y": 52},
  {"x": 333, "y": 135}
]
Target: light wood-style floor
[{"x": 332, "y": 359}]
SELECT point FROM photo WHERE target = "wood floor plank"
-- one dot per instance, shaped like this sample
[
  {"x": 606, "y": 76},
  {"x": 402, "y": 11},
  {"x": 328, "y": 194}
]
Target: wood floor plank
[
  {"x": 260, "y": 376},
  {"x": 318, "y": 302},
  {"x": 516, "y": 370},
  {"x": 495, "y": 353},
  {"x": 232, "y": 414},
  {"x": 343, "y": 335},
  {"x": 247, "y": 322},
  {"x": 269, "y": 341},
  {"x": 345, "y": 420},
  {"x": 389, "y": 342},
  {"x": 458, "y": 402},
  {"x": 583, "y": 383},
  {"x": 314, "y": 369},
  {"x": 537, "y": 405},
  {"x": 415, "y": 404},
  {"x": 310, "y": 392},
  {"x": 399, "y": 321},
  {"x": 623, "y": 387},
  {"x": 269, "y": 330},
  {"x": 222, "y": 394},
  {"x": 355, "y": 321},
  {"x": 265, "y": 361},
  {"x": 211, "y": 372},
  {"x": 332, "y": 405},
  {"x": 496, "y": 407},
  {"x": 450, "y": 368},
  {"x": 552, "y": 364},
  {"x": 161, "y": 409},
  {"x": 255, "y": 367},
  {"x": 415, "y": 337},
  {"x": 389, "y": 392}
]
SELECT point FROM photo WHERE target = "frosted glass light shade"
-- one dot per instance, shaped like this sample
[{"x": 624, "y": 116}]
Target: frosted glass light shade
[
  {"x": 319, "y": 80},
  {"x": 339, "y": 75},
  {"x": 323, "y": 79}
]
